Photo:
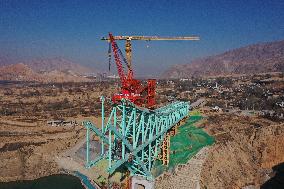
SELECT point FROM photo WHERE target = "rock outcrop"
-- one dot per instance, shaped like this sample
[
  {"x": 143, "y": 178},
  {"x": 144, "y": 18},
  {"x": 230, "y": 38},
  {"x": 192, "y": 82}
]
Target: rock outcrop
[
  {"x": 245, "y": 151},
  {"x": 243, "y": 155}
]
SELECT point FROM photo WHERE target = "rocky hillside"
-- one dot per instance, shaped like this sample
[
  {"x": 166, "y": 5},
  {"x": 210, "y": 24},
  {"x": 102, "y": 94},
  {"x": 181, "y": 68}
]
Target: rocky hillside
[
  {"x": 18, "y": 72},
  {"x": 242, "y": 157},
  {"x": 258, "y": 58},
  {"x": 46, "y": 70},
  {"x": 59, "y": 64}
]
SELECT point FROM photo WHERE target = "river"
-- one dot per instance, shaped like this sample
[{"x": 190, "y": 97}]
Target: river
[{"x": 60, "y": 181}]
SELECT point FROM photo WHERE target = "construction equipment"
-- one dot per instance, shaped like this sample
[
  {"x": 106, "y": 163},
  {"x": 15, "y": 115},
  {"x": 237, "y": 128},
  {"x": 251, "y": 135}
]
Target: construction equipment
[
  {"x": 128, "y": 39},
  {"x": 131, "y": 136},
  {"x": 132, "y": 89}
]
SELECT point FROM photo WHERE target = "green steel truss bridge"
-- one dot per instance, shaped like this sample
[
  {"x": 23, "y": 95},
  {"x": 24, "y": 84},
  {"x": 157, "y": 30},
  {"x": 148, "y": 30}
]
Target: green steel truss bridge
[{"x": 132, "y": 136}]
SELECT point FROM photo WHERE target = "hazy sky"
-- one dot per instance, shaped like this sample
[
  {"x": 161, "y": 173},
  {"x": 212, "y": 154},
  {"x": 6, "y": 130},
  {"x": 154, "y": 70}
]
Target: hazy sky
[{"x": 72, "y": 29}]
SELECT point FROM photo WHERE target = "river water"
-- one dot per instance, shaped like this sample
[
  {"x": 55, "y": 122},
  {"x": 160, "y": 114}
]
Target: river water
[{"x": 60, "y": 181}]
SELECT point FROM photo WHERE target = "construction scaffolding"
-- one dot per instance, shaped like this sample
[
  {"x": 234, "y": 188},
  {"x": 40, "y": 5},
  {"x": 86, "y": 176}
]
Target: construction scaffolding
[{"x": 166, "y": 150}]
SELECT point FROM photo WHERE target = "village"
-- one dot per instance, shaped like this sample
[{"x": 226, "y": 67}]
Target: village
[{"x": 250, "y": 95}]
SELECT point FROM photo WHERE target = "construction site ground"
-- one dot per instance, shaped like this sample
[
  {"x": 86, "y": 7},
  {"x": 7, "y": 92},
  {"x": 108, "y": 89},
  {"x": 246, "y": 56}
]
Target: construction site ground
[
  {"x": 243, "y": 155},
  {"x": 244, "y": 152}
]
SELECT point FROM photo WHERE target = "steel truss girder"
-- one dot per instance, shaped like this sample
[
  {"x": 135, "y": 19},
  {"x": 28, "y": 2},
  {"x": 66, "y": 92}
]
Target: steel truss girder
[{"x": 133, "y": 136}]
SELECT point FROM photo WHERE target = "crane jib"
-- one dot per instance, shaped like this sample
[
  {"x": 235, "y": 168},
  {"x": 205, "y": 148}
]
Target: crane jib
[{"x": 152, "y": 38}]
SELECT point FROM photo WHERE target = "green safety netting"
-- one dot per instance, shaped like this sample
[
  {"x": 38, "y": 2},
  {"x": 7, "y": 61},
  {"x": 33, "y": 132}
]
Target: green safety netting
[{"x": 185, "y": 144}]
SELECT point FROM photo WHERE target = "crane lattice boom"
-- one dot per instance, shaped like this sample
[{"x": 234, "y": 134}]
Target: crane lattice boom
[{"x": 116, "y": 55}]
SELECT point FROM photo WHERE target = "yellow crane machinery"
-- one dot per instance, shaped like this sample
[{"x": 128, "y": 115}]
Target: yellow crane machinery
[{"x": 128, "y": 39}]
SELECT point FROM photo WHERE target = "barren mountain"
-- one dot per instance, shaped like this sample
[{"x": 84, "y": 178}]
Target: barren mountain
[
  {"x": 19, "y": 72},
  {"x": 59, "y": 64},
  {"x": 258, "y": 58},
  {"x": 46, "y": 70}
]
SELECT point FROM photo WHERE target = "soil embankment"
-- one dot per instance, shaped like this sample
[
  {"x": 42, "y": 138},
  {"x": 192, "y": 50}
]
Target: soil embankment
[
  {"x": 245, "y": 150},
  {"x": 29, "y": 151}
]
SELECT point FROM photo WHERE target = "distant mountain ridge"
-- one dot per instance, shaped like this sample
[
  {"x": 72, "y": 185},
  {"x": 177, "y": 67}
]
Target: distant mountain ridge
[
  {"x": 18, "y": 72},
  {"x": 257, "y": 58},
  {"x": 46, "y": 70},
  {"x": 59, "y": 64}
]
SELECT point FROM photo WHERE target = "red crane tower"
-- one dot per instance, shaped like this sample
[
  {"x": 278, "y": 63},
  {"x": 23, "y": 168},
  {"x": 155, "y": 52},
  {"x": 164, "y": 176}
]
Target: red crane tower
[{"x": 133, "y": 89}]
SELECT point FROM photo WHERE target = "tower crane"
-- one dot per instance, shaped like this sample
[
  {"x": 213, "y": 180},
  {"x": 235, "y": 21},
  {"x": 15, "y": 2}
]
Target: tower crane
[
  {"x": 128, "y": 39},
  {"x": 133, "y": 89}
]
